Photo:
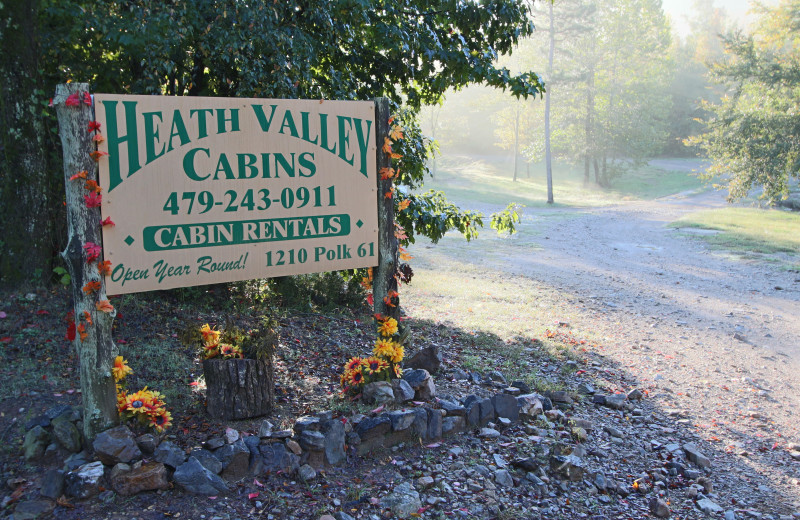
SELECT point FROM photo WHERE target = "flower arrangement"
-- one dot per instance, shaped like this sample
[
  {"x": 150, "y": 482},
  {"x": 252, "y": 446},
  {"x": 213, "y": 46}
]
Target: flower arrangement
[
  {"x": 214, "y": 347},
  {"x": 384, "y": 363},
  {"x": 147, "y": 406}
]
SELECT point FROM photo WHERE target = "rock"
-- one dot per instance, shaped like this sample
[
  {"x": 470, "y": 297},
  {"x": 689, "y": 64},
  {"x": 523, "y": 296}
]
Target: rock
[
  {"x": 372, "y": 427},
  {"x": 708, "y": 507},
  {"x": 207, "y": 460},
  {"x": 214, "y": 443},
  {"x": 730, "y": 514},
  {"x": 147, "y": 443},
  {"x": 473, "y": 414},
  {"x": 76, "y": 460},
  {"x": 312, "y": 440},
  {"x": 52, "y": 484},
  {"x": 116, "y": 445},
  {"x": 523, "y": 387},
  {"x": 613, "y": 432},
  {"x": 428, "y": 359},
  {"x": 529, "y": 464},
  {"x": 422, "y": 383},
  {"x": 403, "y": 501},
  {"x": 194, "y": 478},
  {"x": 503, "y": 478},
  {"x": 558, "y": 396},
  {"x": 402, "y": 391},
  {"x": 425, "y": 482},
  {"x": 489, "y": 433},
  {"x": 659, "y": 508},
  {"x": 333, "y": 430},
  {"x": 615, "y": 401},
  {"x": 635, "y": 395},
  {"x": 342, "y": 516},
  {"x": 696, "y": 456},
  {"x": 450, "y": 408},
  {"x": 401, "y": 419},
  {"x": 568, "y": 466},
  {"x": 585, "y": 389},
  {"x": 39, "y": 420},
  {"x": 63, "y": 410},
  {"x": 460, "y": 375},
  {"x": 170, "y": 454},
  {"x": 35, "y": 443},
  {"x": 294, "y": 447},
  {"x": 129, "y": 481},
  {"x": 231, "y": 435},
  {"x": 512, "y": 390},
  {"x": 277, "y": 458},
  {"x": 530, "y": 406},
  {"x": 33, "y": 509},
  {"x": 66, "y": 434},
  {"x": 379, "y": 392},
  {"x": 505, "y": 405},
  {"x": 579, "y": 434},
  {"x": 486, "y": 412},
  {"x": 84, "y": 481},
  {"x": 265, "y": 429},
  {"x": 306, "y": 473},
  {"x": 235, "y": 459},
  {"x": 497, "y": 377},
  {"x": 434, "y": 428},
  {"x": 451, "y": 425}
]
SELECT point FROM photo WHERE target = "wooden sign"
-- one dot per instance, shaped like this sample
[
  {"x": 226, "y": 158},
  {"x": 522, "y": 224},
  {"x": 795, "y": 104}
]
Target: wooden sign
[{"x": 210, "y": 190}]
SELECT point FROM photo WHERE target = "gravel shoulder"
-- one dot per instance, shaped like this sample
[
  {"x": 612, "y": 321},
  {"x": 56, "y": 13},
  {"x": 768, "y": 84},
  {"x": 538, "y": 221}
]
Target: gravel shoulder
[{"x": 712, "y": 336}]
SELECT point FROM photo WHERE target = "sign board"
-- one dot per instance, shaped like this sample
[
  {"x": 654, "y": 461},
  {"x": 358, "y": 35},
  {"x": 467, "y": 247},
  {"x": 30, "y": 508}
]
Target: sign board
[{"x": 210, "y": 190}]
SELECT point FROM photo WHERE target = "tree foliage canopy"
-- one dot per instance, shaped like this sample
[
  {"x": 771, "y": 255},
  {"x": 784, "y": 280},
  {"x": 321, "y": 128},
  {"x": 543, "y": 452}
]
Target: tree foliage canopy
[
  {"x": 753, "y": 135},
  {"x": 410, "y": 51}
]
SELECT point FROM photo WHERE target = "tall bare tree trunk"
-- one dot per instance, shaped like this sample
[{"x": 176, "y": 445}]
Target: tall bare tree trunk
[
  {"x": 516, "y": 141},
  {"x": 384, "y": 279},
  {"x": 96, "y": 351},
  {"x": 547, "y": 159},
  {"x": 26, "y": 219}
]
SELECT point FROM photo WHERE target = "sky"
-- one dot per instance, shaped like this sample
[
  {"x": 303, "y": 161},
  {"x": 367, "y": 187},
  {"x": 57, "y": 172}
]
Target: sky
[{"x": 678, "y": 9}]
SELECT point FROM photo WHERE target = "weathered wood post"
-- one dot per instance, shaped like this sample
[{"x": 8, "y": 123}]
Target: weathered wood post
[
  {"x": 384, "y": 279},
  {"x": 96, "y": 351}
]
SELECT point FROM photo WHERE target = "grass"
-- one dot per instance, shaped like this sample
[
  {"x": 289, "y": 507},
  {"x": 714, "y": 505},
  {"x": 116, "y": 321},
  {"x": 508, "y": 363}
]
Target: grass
[
  {"x": 748, "y": 230},
  {"x": 490, "y": 180}
]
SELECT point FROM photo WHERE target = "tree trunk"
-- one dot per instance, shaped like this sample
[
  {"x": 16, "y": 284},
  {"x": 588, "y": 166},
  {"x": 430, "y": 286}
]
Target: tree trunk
[
  {"x": 516, "y": 142},
  {"x": 26, "y": 182},
  {"x": 384, "y": 278},
  {"x": 548, "y": 163},
  {"x": 239, "y": 388},
  {"x": 96, "y": 351}
]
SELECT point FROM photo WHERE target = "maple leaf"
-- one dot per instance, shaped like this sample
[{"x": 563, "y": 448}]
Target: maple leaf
[
  {"x": 93, "y": 186},
  {"x": 388, "y": 194},
  {"x": 395, "y": 155},
  {"x": 98, "y": 138},
  {"x": 91, "y": 287},
  {"x": 104, "y": 267},
  {"x": 73, "y": 100},
  {"x": 92, "y": 251},
  {"x": 405, "y": 257},
  {"x": 87, "y": 99},
  {"x": 70, "y": 335},
  {"x": 80, "y": 175},
  {"x": 400, "y": 233},
  {"x": 391, "y": 119},
  {"x": 107, "y": 222},
  {"x": 93, "y": 200},
  {"x": 82, "y": 331},
  {"x": 104, "y": 306},
  {"x": 396, "y": 133},
  {"x": 403, "y": 205},
  {"x": 370, "y": 300},
  {"x": 387, "y": 145},
  {"x": 386, "y": 173},
  {"x": 87, "y": 317},
  {"x": 96, "y": 155},
  {"x": 94, "y": 126}
]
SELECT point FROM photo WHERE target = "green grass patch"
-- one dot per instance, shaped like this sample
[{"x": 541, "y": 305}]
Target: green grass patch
[
  {"x": 490, "y": 180},
  {"x": 747, "y": 230}
]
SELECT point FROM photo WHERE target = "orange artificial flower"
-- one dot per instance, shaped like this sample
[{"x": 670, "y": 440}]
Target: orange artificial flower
[
  {"x": 387, "y": 173},
  {"x": 120, "y": 368},
  {"x": 160, "y": 420},
  {"x": 80, "y": 175},
  {"x": 82, "y": 331},
  {"x": 104, "y": 267},
  {"x": 96, "y": 155},
  {"x": 104, "y": 306},
  {"x": 87, "y": 317},
  {"x": 93, "y": 186}
]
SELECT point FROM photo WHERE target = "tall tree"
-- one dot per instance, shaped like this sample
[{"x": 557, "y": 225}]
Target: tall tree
[{"x": 753, "y": 135}]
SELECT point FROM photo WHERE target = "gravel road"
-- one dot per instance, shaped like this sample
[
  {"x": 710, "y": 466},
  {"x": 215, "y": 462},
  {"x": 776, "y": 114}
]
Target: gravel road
[{"x": 715, "y": 337}]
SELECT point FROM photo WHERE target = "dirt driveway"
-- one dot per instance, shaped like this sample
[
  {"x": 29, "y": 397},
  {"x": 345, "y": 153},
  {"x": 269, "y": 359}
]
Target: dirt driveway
[{"x": 714, "y": 337}]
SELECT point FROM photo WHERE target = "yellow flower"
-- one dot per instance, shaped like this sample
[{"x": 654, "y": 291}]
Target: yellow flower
[
  {"x": 160, "y": 420},
  {"x": 384, "y": 348},
  {"x": 374, "y": 365},
  {"x": 210, "y": 337},
  {"x": 388, "y": 327},
  {"x": 120, "y": 369},
  {"x": 398, "y": 354}
]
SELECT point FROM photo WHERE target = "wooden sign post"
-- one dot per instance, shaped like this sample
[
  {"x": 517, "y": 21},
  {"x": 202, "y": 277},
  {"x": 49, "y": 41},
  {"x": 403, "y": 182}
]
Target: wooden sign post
[{"x": 92, "y": 326}]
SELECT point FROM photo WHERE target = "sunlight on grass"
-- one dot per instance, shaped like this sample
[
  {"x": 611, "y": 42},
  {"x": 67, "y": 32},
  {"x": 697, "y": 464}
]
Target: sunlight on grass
[
  {"x": 489, "y": 179},
  {"x": 746, "y": 230}
]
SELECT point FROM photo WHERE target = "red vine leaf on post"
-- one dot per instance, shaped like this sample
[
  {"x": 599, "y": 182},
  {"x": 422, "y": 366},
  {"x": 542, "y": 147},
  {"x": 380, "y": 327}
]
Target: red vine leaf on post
[
  {"x": 87, "y": 317},
  {"x": 388, "y": 194},
  {"x": 87, "y": 99},
  {"x": 73, "y": 100},
  {"x": 80, "y": 175},
  {"x": 91, "y": 287},
  {"x": 94, "y": 126},
  {"x": 92, "y": 252},
  {"x": 386, "y": 173},
  {"x": 82, "y": 331},
  {"x": 93, "y": 200},
  {"x": 107, "y": 222}
]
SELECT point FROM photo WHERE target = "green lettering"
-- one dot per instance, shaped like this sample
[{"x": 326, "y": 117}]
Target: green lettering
[
  {"x": 223, "y": 166},
  {"x": 202, "y": 127},
  {"x": 113, "y": 139},
  {"x": 188, "y": 164},
  {"x": 151, "y": 136},
  {"x": 344, "y": 139},
  {"x": 262, "y": 118},
  {"x": 288, "y": 121},
  {"x": 363, "y": 143},
  {"x": 178, "y": 130},
  {"x": 221, "y": 120}
]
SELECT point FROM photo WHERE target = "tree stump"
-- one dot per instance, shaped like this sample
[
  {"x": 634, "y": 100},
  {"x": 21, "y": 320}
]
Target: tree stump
[{"x": 238, "y": 388}]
